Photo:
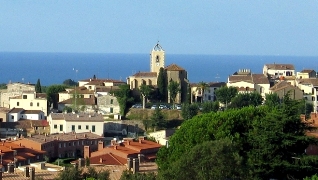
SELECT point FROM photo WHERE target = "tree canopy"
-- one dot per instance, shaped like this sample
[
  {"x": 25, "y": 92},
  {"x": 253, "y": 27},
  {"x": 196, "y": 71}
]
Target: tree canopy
[
  {"x": 124, "y": 98},
  {"x": 225, "y": 94},
  {"x": 162, "y": 85},
  {"x": 38, "y": 88},
  {"x": 52, "y": 94},
  {"x": 70, "y": 82},
  {"x": 246, "y": 99},
  {"x": 174, "y": 89},
  {"x": 189, "y": 110},
  {"x": 145, "y": 91}
]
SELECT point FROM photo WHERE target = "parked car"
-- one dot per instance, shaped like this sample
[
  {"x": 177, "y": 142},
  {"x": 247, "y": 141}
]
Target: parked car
[
  {"x": 136, "y": 106},
  {"x": 178, "y": 107},
  {"x": 162, "y": 106},
  {"x": 154, "y": 106}
]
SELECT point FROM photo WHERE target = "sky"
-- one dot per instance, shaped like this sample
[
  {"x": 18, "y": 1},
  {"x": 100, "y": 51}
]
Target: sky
[{"x": 214, "y": 27}]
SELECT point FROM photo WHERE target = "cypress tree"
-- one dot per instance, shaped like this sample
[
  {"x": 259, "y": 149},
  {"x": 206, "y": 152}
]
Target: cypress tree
[
  {"x": 38, "y": 87},
  {"x": 162, "y": 85}
]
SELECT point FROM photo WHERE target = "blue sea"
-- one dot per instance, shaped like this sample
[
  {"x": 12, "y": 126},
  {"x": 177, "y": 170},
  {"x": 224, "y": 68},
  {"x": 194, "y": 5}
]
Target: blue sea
[{"x": 54, "y": 68}]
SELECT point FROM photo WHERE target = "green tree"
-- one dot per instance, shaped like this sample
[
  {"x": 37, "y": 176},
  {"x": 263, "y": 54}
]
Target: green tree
[
  {"x": 189, "y": 110},
  {"x": 38, "y": 87},
  {"x": 128, "y": 175},
  {"x": 145, "y": 91},
  {"x": 3, "y": 86},
  {"x": 52, "y": 94},
  {"x": 162, "y": 85},
  {"x": 158, "y": 120},
  {"x": 314, "y": 177},
  {"x": 208, "y": 107},
  {"x": 70, "y": 82},
  {"x": 246, "y": 99},
  {"x": 174, "y": 89},
  {"x": 70, "y": 173},
  {"x": 272, "y": 100},
  {"x": 124, "y": 98},
  {"x": 218, "y": 159},
  {"x": 202, "y": 86},
  {"x": 189, "y": 94},
  {"x": 225, "y": 94}
]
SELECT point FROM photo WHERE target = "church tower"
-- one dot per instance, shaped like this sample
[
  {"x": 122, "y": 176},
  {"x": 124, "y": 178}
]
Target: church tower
[{"x": 157, "y": 59}]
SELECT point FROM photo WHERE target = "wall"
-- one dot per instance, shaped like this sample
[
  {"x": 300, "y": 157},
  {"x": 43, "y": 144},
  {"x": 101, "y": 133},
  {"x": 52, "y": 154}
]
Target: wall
[
  {"x": 13, "y": 90},
  {"x": 38, "y": 104},
  {"x": 107, "y": 102}
]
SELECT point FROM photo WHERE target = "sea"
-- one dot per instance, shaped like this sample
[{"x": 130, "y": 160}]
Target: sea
[{"x": 54, "y": 68}]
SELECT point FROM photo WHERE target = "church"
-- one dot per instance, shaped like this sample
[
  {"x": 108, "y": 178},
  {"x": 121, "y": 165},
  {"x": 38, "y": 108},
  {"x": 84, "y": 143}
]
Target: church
[{"x": 157, "y": 61}]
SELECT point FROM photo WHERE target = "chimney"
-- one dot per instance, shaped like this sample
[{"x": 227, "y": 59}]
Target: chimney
[
  {"x": 75, "y": 137},
  {"x": 100, "y": 145},
  {"x": 20, "y": 144},
  {"x": 115, "y": 147},
  {"x": 32, "y": 173},
  {"x": 101, "y": 160},
  {"x": 135, "y": 165},
  {"x": 85, "y": 135},
  {"x": 140, "y": 141},
  {"x": 87, "y": 152},
  {"x": 112, "y": 142},
  {"x": 44, "y": 139},
  {"x": 128, "y": 142}
]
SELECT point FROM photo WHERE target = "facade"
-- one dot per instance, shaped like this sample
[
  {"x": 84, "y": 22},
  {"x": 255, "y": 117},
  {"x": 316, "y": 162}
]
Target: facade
[
  {"x": 13, "y": 90},
  {"x": 162, "y": 136},
  {"x": 209, "y": 93},
  {"x": 4, "y": 114},
  {"x": 30, "y": 101},
  {"x": 94, "y": 82},
  {"x": 276, "y": 72},
  {"x": 283, "y": 87},
  {"x": 306, "y": 73},
  {"x": 247, "y": 82},
  {"x": 179, "y": 75},
  {"x": 79, "y": 123},
  {"x": 18, "y": 154},
  {"x": 16, "y": 114},
  {"x": 119, "y": 152},
  {"x": 310, "y": 90},
  {"x": 61, "y": 145},
  {"x": 108, "y": 104},
  {"x": 81, "y": 104}
]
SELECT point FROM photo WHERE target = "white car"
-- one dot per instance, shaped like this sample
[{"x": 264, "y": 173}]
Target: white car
[
  {"x": 154, "y": 107},
  {"x": 178, "y": 107}
]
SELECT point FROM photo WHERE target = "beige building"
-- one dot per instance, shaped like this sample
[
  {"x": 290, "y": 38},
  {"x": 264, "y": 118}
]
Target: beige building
[
  {"x": 276, "y": 72},
  {"x": 310, "y": 89},
  {"x": 30, "y": 101},
  {"x": 245, "y": 81},
  {"x": 306, "y": 73},
  {"x": 283, "y": 87},
  {"x": 13, "y": 90},
  {"x": 208, "y": 95},
  {"x": 157, "y": 61}
]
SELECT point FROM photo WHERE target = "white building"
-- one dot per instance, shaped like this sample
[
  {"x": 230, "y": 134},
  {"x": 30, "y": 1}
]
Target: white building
[
  {"x": 79, "y": 123},
  {"x": 16, "y": 114},
  {"x": 208, "y": 95},
  {"x": 162, "y": 136},
  {"x": 310, "y": 88}
]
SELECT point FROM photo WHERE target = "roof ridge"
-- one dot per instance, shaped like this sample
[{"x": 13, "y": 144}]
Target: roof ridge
[{"x": 115, "y": 158}]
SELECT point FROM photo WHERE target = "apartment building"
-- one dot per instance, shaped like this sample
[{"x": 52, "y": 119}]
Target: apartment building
[
  {"x": 206, "y": 95},
  {"x": 30, "y": 101},
  {"x": 76, "y": 122},
  {"x": 61, "y": 145}
]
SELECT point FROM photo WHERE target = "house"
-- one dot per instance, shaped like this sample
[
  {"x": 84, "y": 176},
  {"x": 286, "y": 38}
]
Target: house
[
  {"x": 16, "y": 114},
  {"x": 173, "y": 72},
  {"x": 18, "y": 154},
  {"x": 23, "y": 128},
  {"x": 276, "y": 72},
  {"x": 246, "y": 82},
  {"x": 306, "y": 73},
  {"x": 61, "y": 145},
  {"x": 13, "y": 90},
  {"x": 310, "y": 89},
  {"x": 312, "y": 122},
  {"x": 94, "y": 83},
  {"x": 4, "y": 114},
  {"x": 82, "y": 104},
  {"x": 283, "y": 87},
  {"x": 30, "y": 101},
  {"x": 118, "y": 152},
  {"x": 209, "y": 92},
  {"x": 79, "y": 123},
  {"x": 108, "y": 104},
  {"x": 162, "y": 136}
]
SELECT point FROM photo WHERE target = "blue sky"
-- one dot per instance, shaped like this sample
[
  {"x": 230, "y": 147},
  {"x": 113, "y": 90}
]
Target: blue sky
[{"x": 222, "y": 27}]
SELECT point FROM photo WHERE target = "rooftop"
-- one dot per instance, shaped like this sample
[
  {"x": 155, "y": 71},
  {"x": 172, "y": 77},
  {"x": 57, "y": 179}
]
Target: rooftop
[
  {"x": 280, "y": 66},
  {"x": 77, "y": 117}
]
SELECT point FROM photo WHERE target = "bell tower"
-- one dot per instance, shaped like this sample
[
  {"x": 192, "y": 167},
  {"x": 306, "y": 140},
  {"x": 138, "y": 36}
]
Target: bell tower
[{"x": 157, "y": 58}]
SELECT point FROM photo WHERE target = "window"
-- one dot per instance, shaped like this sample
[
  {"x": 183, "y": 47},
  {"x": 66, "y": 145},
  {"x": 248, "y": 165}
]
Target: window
[
  {"x": 60, "y": 145},
  {"x": 64, "y": 144},
  {"x": 313, "y": 98},
  {"x": 31, "y": 103},
  {"x": 82, "y": 142},
  {"x": 69, "y": 143},
  {"x": 55, "y": 126},
  {"x": 61, "y": 127},
  {"x": 18, "y": 104},
  {"x": 247, "y": 88},
  {"x": 79, "y": 127},
  {"x": 37, "y": 104},
  {"x": 25, "y": 97},
  {"x": 87, "y": 127},
  {"x": 73, "y": 127},
  {"x": 78, "y": 143},
  {"x": 93, "y": 128},
  {"x": 12, "y": 117},
  {"x": 111, "y": 101}
]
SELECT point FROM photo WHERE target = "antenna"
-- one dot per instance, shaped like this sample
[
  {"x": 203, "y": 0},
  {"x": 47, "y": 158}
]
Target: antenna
[{"x": 217, "y": 77}]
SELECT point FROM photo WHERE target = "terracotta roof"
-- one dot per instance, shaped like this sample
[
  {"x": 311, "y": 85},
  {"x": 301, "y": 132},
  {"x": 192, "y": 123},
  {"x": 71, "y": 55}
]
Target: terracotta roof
[
  {"x": 106, "y": 89},
  {"x": 100, "y": 80},
  {"x": 81, "y": 90},
  {"x": 260, "y": 79},
  {"x": 32, "y": 111},
  {"x": 4, "y": 109},
  {"x": 307, "y": 71},
  {"x": 280, "y": 66},
  {"x": 282, "y": 85},
  {"x": 108, "y": 159},
  {"x": 210, "y": 84},
  {"x": 313, "y": 81},
  {"x": 41, "y": 138},
  {"x": 174, "y": 67},
  {"x": 39, "y": 123},
  {"x": 16, "y": 110},
  {"x": 253, "y": 78},
  {"x": 40, "y": 95},
  {"x": 80, "y": 101},
  {"x": 145, "y": 74},
  {"x": 77, "y": 117}
]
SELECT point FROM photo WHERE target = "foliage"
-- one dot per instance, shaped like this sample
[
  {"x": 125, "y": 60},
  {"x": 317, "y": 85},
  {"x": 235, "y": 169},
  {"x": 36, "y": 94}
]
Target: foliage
[
  {"x": 52, "y": 94},
  {"x": 225, "y": 94},
  {"x": 145, "y": 91},
  {"x": 151, "y": 138},
  {"x": 124, "y": 98},
  {"x": 87, "y": 161},
  {"x": 202, "y": 86},
  {"x": 189, "y": 94},
  {"x": 38, "y": 87},
  {"x": 67, "y": 109},
  {"x": 314, "y": 177},
  {"x": 158, "y": 120},
  {"x": 189, "y": 110},
  {"x": 174, "y": 89},
  {"x": 246, "y": 99},
  {"x": 271, "y": 140},
  {"x": 70, "y": 82},
  {"x": 71, "y": 173},
  {"x": 3, "y": 86},
  {"x": 272, "y": 100},
  {"x": 128, "y": 175},
  {"x": 218, "y": 159},
  {"x": 210, "y": 107},
  {"x": 162, "y": 85}
]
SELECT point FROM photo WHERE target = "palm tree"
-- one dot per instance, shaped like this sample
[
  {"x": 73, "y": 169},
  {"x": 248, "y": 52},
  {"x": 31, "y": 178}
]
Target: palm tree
[{"x": 202, "y": 86}]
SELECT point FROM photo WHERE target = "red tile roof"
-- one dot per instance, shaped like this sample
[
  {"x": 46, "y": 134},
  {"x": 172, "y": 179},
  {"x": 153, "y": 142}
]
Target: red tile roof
[
  {"x": 174, "y": 67},
  {"x": 145, "y": 74},
  {"x": 280, "y": 66},
  {"x": 80, "y": 101}
]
